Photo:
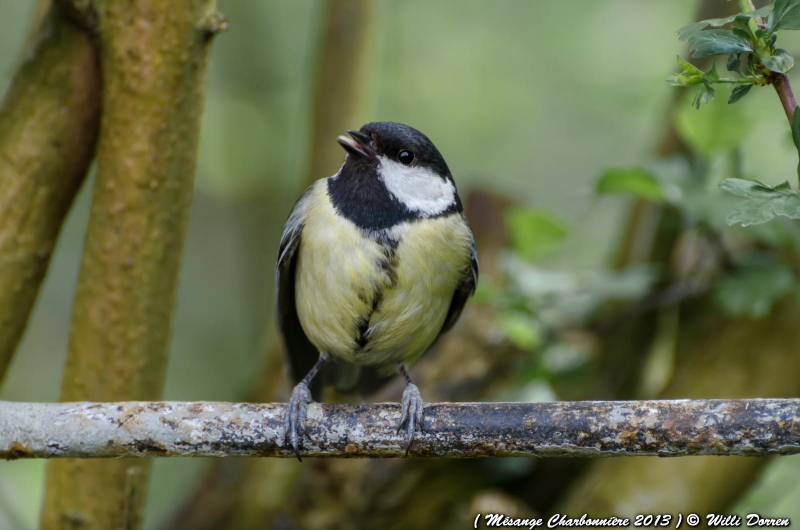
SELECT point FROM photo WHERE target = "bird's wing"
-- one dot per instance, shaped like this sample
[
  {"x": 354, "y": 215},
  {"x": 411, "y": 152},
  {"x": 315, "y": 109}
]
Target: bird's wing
[
  {"x": 465, "y": 289},
  {"x": 301, "y": 353}
]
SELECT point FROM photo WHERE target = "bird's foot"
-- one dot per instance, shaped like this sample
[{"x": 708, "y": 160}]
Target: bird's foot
[
  {"x": 411, "y": 417},
  {"x": 295, "y": 421}
]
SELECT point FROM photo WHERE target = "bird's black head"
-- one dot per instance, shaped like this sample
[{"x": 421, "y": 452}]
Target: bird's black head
[
  {"x": 392, "y": 173},
  {"x": 394, "y": 142}
]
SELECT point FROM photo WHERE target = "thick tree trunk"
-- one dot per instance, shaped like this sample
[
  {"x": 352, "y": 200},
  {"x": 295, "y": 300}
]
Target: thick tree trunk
[
  {"x": 153, "y": 59},
  {"x": 48, "y": 128}
]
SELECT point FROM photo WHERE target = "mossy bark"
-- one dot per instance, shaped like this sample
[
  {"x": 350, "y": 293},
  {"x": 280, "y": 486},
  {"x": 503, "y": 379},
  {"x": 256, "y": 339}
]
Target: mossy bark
[
  {"x": 153, "y": 60},
  {"x": 48, "y": 129}
]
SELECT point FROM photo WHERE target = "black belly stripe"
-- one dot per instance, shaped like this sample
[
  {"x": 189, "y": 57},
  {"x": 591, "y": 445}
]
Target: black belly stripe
[{"x": 388, "y": 263}]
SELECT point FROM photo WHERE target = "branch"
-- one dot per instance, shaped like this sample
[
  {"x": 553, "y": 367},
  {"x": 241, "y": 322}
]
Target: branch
[
  {"x": 784, "y": 90},
  {"x": 755, "y": 427},
  {"x": 153, "y": 57},
  {"x": 48, "y": 127},
  {"x": 778, "y": 80},
  {"x": 342, "y": 82}
]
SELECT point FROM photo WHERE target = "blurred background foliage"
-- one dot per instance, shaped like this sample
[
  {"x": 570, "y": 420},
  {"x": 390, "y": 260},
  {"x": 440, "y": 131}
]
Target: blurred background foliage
[{"x": 561, "y": 108}]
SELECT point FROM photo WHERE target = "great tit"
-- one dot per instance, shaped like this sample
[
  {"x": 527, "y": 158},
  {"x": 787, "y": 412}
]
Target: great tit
[{"x": 374, "y": 264}]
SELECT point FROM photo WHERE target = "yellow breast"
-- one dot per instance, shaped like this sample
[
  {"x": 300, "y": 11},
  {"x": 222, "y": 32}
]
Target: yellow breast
[
  {"x": 348, "y": 284},
  {"x": 432, "y": 257}
]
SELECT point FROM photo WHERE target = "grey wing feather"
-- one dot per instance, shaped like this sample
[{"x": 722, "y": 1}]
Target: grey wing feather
[
  {"x": 464, "y": 290},
  {"x": 301, "y": 353}
]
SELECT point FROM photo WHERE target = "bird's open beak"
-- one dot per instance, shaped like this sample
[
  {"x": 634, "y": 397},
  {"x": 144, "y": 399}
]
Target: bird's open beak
[{"x": 358, "y": 144}]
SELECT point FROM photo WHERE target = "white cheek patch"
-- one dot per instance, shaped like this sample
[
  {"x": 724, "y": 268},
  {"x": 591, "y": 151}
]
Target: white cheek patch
[{"x": 418, "y": 188}]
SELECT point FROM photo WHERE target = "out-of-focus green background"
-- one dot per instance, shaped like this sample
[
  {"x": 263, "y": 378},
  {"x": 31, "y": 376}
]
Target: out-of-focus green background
[{"x": 529, "y": 99}]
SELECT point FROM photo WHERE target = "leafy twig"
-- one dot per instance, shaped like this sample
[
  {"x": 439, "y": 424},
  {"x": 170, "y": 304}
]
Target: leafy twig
[{"x": 750, "y": 46}]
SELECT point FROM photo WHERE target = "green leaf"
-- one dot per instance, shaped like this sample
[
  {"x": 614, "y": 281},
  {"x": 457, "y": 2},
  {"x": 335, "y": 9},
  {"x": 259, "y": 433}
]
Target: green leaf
[
  {"x": 796, "y": 135},
  {"x": 693, "y": 29},
  {"x": 712, "y": 76},
  {"x": 753, "y": 290},
  {"x": 760, "y": 12},
  {"x": 785, "y": 15},
  {"x": 704, "y": 95},
  {"x": 752, "y": 212},
  {"x": 764, "y": 204},
  {"x": 743, "y": 33},
  {"x": 738, "y": 93},
  {"x": 757, "y": 211},
  {"x": 780, "y": 61},
  {"x": 752, "y": 189},
  {"x": 635, "y": 181},
  {"x": 744, "y": 18},
  {"x": 735, "y": 63},
  {"x": 751, "y": 63},
  {"x": 534, "y": 233},
  {"x": 718, "y": 42},
  {"x": 690, "y": 75}
]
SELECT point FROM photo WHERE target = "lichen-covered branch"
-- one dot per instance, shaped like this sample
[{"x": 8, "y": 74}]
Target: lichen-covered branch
[
  {"x": 755, "y": 427},
  {"x": 48, "y": 128},
  {"x": 153, "y": 58}
]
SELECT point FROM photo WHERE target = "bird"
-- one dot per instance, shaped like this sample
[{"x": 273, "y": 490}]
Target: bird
[{"x": 374, "y": 264}]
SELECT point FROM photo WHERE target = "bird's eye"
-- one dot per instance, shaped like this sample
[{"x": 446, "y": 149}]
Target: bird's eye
[{"x": 405, "y": 157}]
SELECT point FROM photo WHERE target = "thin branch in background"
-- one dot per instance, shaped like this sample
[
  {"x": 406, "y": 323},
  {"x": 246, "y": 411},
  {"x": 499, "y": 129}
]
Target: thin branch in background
[
  {"x": 342, "y": 84},
  {"x": 754, "y": 427}
]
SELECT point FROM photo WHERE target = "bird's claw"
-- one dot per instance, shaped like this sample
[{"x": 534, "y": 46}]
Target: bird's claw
[
  {"x": 411, "y": 416},
  {"x": 295, "y": 421}
]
